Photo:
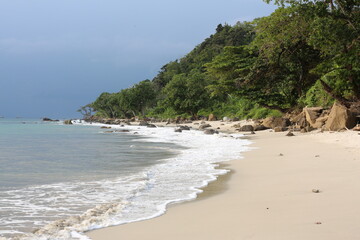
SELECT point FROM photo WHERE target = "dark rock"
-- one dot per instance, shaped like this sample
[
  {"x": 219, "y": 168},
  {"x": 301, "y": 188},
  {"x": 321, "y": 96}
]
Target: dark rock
[
  {"x": 247, "y": 128},
  {"x": 178, "y": 130},
  {"x": 210, "y": 131},
  {"x": 68, "y": 122},
  {"x": 105, "y": 127},
  {"x": 203, "y": 126},
  {"x": 49, "y": 120},
  {"x": 151, "y": 126},
  {"x": 273, "y": 122},
  {"x": 260, "y": 128},
  {"x": 122, "y": 130},
  {"x": 289, "y": 134},
  {"x": 143, "y": 123},
  {"x": 236, "y": 119},
  {"x": 185, "y": 128}
]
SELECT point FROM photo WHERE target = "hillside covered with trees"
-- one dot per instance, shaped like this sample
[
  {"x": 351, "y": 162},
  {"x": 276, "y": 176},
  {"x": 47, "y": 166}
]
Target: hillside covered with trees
[{"x": 306, "y": 53}]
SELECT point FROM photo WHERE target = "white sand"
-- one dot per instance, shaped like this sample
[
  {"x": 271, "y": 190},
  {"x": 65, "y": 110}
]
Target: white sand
[{"x": 269, "y": 196}]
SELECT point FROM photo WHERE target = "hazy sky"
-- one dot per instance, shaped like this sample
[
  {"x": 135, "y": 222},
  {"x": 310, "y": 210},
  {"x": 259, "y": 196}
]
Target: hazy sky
[{"x": 57, "y": 55}]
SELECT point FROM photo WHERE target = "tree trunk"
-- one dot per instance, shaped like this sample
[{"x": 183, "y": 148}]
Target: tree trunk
[
  {"x": 283, "y": 110},
  {"x": 343, "y": 101}
]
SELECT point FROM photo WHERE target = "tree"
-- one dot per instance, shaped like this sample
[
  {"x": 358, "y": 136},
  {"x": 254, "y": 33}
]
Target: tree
[
  {"x": 86, "y": 111},
  {"x": 187, "y": 94},
  {"x": 334, "y": 32}
]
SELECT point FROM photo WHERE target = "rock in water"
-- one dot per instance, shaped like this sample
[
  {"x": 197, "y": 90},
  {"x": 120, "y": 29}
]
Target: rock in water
[
  {"x": 68, "y": 122},
  {"x": 210, "y": 131}
]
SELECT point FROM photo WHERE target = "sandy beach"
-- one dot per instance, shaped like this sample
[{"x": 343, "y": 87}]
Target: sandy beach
[{"x": 301, "y": 187}]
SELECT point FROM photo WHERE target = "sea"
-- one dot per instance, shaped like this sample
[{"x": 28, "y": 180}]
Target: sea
[{"x": 59, "y": 181}]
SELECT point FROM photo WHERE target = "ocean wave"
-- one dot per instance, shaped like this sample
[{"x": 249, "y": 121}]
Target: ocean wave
[{"x": 137, "y": 197}]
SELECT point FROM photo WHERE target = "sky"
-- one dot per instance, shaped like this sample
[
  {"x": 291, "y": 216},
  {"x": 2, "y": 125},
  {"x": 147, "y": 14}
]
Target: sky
[{"x": 59, "y": 55}]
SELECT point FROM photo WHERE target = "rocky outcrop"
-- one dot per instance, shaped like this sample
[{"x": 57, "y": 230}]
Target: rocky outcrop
[
  {"x": 273, "y": 122},
  {"x": 49, "y": 120},
  {"x": 340, "y": 118},
  {"x": 68, "y": 122}
]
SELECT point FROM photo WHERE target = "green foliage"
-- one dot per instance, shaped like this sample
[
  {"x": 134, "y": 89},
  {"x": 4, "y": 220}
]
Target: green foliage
[
  {"x": 316, "y": 96},
  {"x": 306, "y": 53}
]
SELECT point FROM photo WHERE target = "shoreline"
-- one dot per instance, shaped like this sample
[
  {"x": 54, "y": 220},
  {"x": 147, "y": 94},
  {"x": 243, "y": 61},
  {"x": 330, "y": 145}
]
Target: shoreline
[{"x": 269, "y": 195}]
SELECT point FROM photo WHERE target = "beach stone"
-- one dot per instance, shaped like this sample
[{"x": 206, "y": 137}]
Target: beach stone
[
  {"x": 203, "y": 126},
  {"x": 151, "y": 126},
  {"x": 178, "y": 130},
  {"x": 356, "y": 128},
  {"x": 340, "y": 118},
  {"x": 259, "y": 127},
  {"x": 311, "y": 114},
  {"x": 299, "y": 120},
  {"x": 105, "y": 127},
  {"x": 185, "y": 128},
  {"x": 247, "y": 128},
  {"x": 225, "y": 119},
  {"x": 210, "y": 131},
  {"x": 143, "y": 123},
  {"x": 316, "y": 191},
  {"x": 212, "y": 117},
  {"x": 289, "y": 134},
  {"x": 279, "y": 129},
  {"x": 273, "y": 122}
]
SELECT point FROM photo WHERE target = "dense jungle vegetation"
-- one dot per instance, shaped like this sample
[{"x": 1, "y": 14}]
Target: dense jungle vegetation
[{"x": 306, "y": 53}]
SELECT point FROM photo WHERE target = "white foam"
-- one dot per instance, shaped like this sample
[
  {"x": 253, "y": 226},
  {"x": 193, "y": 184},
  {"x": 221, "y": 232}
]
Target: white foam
[{"x": 135, "y": 198}]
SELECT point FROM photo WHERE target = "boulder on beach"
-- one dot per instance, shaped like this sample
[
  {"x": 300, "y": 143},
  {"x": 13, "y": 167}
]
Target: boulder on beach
[
  {"x": 340, "y": 118},
  {"x": 151, "y": 126},
  {"x": 212, "y": 117},
  {"x": 260, "y": 127},
  {"x": 143, "y": 123},
  {"x": 273, "y": 122},
  {"x": 203, "y": 126},
  {"x": 178, "y": 130},
  {"x": 247, "y": 128}
]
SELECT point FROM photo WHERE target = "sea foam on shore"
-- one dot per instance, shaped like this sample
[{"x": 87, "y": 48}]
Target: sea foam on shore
[{"x": 145, "y": 194}]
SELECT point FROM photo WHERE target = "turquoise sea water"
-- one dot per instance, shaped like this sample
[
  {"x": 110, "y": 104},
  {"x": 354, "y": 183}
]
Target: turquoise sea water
[{"x": 35, "y": 152}]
